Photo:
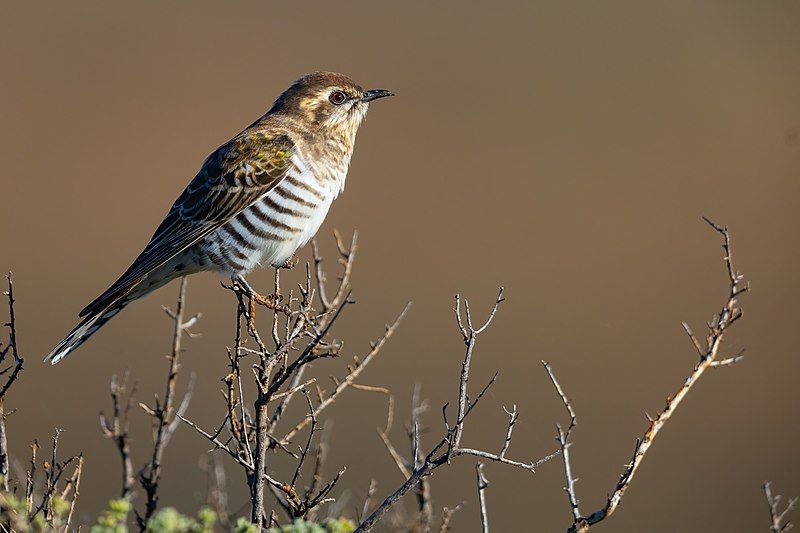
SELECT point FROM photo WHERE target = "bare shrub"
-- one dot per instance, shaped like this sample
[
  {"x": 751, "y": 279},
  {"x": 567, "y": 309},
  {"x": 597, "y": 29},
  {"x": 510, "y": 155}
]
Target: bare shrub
[{"x": 301, "y": 331}]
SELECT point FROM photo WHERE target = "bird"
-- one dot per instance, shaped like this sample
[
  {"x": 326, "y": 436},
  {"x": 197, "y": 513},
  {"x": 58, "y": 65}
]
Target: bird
[{"x": 254, "y": 202}]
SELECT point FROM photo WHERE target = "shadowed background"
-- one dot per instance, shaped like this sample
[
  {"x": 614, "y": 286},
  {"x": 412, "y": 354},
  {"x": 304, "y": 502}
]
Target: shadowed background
[{"x": 563, "y": 149}]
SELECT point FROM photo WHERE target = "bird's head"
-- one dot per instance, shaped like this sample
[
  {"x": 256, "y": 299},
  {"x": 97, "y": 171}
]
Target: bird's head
[{"x": 327, "y": 101}]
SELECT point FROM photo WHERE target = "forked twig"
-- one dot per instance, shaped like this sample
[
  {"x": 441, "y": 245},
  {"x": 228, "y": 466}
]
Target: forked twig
[
  {"x": 777, "y": 518},
  {"x": 708, "y": 356},
  {"x": 423, "y": 465}
]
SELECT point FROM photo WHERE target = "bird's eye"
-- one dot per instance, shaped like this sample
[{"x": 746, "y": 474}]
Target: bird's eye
[{"x": 337, "y": 97}]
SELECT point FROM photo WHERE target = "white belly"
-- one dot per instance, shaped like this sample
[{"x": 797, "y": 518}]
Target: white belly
[
  {"x": 271, "y": 230},
  {"x": 277, "y": 253}
]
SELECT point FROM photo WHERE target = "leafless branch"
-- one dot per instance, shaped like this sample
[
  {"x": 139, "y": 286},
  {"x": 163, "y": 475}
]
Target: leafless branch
[
  {"x": 447, "y": 516},
  {"x": 301, "y": 325},
  {"x": 423, "y": 490},
  {"x": 368, "y": 498},
  {"x": 708, "y": 358},
  {"x": 117, "y": 429},
  {"x": 53, "y": 470},
  {"x": 15, "y": 369},
  {"x": 216, "y": 493},
  {"x": 777, "y": 518},
  {"x": 31, "y": 478},
  {"x": 564, "y": 443},
  {"x": 165, "y": 416},
  {"x": 349, "y": 380},
  {"x": 74, "y": 485},
  {"x": 449, "y": 446},
  {"x": 346, "y": 258},
  {"x": 219, "y": 445},
  {"x": 483, "y": 484},
  {"x": 403, "y": 465},
  {"x": 470, "y": 336}
]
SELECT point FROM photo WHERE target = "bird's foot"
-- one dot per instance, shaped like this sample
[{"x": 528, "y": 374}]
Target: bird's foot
[
  {"x": 291, "y": 262},
  {"x": 271, "y": 301},
  {"x": 243, "y": 286}
]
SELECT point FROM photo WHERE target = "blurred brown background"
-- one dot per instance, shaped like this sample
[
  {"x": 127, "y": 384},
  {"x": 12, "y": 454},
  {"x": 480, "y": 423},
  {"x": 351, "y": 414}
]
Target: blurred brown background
[{"x": 563, "y": 149}]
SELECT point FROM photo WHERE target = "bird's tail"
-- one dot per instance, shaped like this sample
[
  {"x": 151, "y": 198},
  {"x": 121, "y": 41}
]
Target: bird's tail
[{"x": 84, "y": 330}]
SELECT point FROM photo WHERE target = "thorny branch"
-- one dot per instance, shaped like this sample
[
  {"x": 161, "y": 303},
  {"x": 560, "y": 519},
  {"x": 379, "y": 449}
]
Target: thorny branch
[
  {"x": 564, "y": 443},
  {"x": 301, "y": 324},
  {"x": 165, "y": 416},
  {"x": 449, "y": 446},
  {"x": 53, "y": 471},
  {"x": 46, "y": 505},
  {"x": 349, "y": 380},
  {"x": 299, "y": 329},
  {"x": 118, "y": 429},
  {"x": 777, "y": 518},
  {"x": 15, "y": 368},
  {"x": 708, "y": 356}
]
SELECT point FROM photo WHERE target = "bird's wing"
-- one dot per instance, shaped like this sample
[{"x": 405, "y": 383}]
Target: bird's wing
[{"x": 233, "y": 177}]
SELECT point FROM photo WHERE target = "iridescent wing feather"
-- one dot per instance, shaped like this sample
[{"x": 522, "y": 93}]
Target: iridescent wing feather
[{"x": 233, "y": 177}]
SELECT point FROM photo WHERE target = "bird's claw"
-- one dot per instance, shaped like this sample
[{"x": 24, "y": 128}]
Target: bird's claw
[
  {"x": 291, "y": 262},
  {"x": 271, "y": 301}
]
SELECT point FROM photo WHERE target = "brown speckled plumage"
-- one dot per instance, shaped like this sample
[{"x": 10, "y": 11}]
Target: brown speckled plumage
[{"x": 255, "y": 200}]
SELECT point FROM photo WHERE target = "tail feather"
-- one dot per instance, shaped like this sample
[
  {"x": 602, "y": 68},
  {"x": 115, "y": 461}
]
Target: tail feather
[{"x": 83, "y": 331}]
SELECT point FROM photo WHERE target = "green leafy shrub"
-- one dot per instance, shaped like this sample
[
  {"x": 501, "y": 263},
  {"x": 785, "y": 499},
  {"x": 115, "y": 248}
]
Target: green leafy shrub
[
  {"x": 340, "y": 525},
  {"x": 114, "y": 519}
]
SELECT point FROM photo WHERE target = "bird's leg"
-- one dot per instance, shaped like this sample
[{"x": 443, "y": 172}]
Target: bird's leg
[
  {"x": 251, "y": 294},
  {"x": 238, "y": 279},
  {"x": 271, "y": 301}
]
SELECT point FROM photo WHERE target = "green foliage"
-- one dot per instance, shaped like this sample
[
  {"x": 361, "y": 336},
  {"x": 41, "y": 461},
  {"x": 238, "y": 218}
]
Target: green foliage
[
  {"x": 168, "y": 520},
  {"x": 340, "y": 525},
  {"x": 14, "y": 517},
  {"x": 60, "y": 506},
  {"x": 243, "y": 525},
  {"x": 206, "y": 517},
  {"x": 14, "y": 514},
  {"x": 113, "y": 519}
]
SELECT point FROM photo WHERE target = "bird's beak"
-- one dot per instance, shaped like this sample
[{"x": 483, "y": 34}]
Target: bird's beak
[{"x": 374, "y": 94}]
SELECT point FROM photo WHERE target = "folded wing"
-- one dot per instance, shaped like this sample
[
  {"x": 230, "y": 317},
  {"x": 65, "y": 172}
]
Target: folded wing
[{"x": 233, "y": 177}]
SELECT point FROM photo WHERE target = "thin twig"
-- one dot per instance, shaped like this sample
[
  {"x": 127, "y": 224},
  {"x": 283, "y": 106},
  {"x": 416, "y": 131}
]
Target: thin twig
[
  {"x": 165, "y": 417},
  {"x": 216, "y": 494},
  {"x": 11, "y": 346},
  {"x": 117, "y": 429},
  {"x": 777, "y": 518},
  {"x": 483, "y": 484},
  {"x": 447, "y": 516},
  {"x": 447, "y": 448},
  {"x": 351, "y": 377},
  {"x": 564, "y": 443}
]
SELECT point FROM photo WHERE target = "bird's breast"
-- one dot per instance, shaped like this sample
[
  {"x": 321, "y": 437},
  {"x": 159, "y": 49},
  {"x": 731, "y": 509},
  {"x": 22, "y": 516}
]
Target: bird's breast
[{"x": 269, "y": 231}]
